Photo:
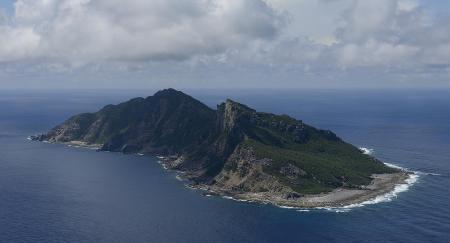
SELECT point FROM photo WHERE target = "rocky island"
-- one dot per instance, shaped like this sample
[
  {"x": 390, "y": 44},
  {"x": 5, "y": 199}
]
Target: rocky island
[{"x": 234, "y": 150}]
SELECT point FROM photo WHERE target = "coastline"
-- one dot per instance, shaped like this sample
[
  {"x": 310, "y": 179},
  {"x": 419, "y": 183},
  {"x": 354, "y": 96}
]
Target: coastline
[
  {"x": 81, "y": 144},
  {"x": 75, "y": 144},
  {"x": 382, "y": 188},
  {"x": 383, "y": 184}
]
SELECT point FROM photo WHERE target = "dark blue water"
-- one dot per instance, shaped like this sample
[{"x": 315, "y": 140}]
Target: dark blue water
[{"x": 50, "y": 192}]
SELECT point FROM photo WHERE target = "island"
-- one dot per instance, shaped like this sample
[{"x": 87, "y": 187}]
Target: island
[{"x": 234, "y": 150}]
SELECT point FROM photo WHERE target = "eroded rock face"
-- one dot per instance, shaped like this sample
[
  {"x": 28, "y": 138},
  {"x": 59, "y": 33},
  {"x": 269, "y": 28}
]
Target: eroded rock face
[
  {"x": 71, "y": 130},
  {"x": 243, "y": 172},
  {"x": 233, "y": 115},
  {"x": 175, "y": 161}
]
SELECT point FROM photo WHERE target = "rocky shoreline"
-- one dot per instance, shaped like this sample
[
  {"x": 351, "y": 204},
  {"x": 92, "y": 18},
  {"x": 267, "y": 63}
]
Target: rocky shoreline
[
  {"x": 341, "y": 197},
  {"x": 81, "y": 144},
  {"x": 76, "y": 144}
]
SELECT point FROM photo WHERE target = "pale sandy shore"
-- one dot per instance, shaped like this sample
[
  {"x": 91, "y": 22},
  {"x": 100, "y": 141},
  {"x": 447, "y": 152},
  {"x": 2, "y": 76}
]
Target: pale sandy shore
[
  {"x": 341, "y": 197},
  {"x": 381, "y": 184},
  {"x": 82, "y": 144}
]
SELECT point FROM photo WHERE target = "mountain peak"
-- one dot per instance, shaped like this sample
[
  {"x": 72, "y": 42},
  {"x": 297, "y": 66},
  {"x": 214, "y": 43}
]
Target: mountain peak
[
  {"x": 233, "y": 105},
  {"x": 168, "y": 92},
  {"x": 231, "y": 113}
]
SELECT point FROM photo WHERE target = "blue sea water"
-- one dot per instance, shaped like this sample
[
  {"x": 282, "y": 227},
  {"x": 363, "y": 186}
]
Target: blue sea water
[{"x": 55, "y": 193}]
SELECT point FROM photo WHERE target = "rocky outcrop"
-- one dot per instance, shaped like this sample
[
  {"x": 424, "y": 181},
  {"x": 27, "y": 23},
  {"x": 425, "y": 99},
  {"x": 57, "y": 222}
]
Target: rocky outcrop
[{"x": 244, "y": 172}]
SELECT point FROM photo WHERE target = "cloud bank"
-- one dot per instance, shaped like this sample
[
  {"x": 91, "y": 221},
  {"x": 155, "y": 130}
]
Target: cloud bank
[
  {"x": 134, "y": 30},
  {"x": 302, "y": 36}
]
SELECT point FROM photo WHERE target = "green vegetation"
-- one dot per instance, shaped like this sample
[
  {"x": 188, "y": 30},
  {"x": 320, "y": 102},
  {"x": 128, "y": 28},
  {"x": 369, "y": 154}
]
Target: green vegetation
[{"x": 327, "y": 164}]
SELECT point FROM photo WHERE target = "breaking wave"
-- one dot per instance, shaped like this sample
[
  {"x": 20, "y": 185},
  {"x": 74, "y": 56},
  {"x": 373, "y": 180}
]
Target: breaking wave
[
  {"x": 367, "y": 151},
  {"x": 413, "y": 178}
]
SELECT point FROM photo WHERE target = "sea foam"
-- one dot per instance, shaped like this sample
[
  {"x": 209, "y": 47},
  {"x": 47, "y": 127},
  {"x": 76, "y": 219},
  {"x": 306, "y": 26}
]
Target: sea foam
[
  {"x": 390, "y": 195},
  {"x": 367, "y": 151},
  {"x": 399, "y": 188},
  {"x": 379, "y": 199}
]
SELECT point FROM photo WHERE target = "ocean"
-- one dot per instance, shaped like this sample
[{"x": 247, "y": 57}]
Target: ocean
[{"x": 56, "y": 193}]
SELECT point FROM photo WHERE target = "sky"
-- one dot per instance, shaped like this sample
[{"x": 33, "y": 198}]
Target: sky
[{"x": 275, "y": 44}]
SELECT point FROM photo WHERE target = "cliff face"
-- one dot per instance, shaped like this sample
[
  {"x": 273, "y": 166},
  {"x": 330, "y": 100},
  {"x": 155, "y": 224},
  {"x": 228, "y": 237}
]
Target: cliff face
[
  {"x": 244, "y": 172},
  {"x": 233, "y": 149}
]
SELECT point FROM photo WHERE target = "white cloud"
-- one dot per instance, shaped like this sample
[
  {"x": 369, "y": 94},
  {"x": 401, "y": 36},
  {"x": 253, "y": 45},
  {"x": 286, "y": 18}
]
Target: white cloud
[
  {"x": 388, "y": 33},
  {"x": 303, "y": 35},
  {"x": 407, "y": 5},
  {"x": 364, "y": 19},
  {"x": 140, "y": 30},
  {"x": 373, "y": 53},
  {"x": 17, "y": 43}
]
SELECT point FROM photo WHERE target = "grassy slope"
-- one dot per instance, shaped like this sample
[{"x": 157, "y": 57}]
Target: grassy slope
[{"x": 328, "y": 162}]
